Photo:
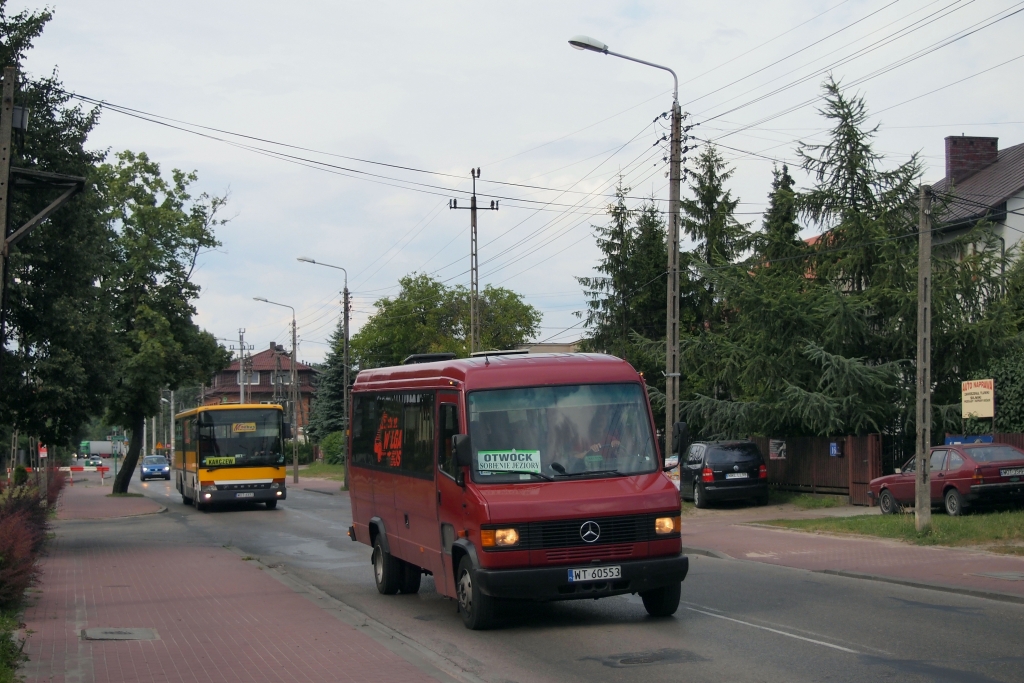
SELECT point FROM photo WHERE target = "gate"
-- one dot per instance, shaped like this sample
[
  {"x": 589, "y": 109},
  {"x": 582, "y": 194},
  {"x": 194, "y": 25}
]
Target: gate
[{"x": 841, "y": 465}]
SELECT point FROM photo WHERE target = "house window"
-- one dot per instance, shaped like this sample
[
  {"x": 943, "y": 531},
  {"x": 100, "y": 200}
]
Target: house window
[{"x": 254, "y": 378}]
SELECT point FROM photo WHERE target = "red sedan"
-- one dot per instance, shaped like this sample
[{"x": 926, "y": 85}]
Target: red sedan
[{"x": 960, "y": 476}]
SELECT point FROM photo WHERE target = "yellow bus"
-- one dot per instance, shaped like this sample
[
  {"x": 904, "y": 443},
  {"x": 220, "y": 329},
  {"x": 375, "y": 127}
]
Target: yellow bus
[{"x": 230, "y": 453}]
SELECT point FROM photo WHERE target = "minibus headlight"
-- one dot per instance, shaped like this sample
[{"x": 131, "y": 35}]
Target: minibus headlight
[
  {"x": 667, "y": 525},
  {"x": 501, "y": 538}
]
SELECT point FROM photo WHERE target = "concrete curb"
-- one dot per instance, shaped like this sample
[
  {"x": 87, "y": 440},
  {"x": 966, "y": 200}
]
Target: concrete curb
[
  {"x": 326, "y": 493},
  {"x": 944, "y": 588},
  {"x": 707, "y": 553},
  {"x": 108, "y": 519}
]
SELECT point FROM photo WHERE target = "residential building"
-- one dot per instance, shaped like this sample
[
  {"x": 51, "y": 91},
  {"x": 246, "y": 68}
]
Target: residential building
[{"x": 268, "y": 381}]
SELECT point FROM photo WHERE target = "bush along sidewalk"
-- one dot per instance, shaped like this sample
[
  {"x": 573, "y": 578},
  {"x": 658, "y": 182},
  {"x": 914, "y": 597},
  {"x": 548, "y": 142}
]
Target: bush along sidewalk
[{"x": 24, "y": 512}]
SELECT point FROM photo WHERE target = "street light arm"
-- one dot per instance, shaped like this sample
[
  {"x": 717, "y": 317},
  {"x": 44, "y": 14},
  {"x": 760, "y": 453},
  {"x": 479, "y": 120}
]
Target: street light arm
[
  {"x": 274, "y": 303},
  {"x": 675, "y": 79},
  {"x": 325, "y": 265}
]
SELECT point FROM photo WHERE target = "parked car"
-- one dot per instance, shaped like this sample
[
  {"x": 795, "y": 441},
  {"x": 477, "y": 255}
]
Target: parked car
[
  {"x": 960, "y": 476},
  {"x": 715, "y": 471},
  {"x": 155, "y": 467}
]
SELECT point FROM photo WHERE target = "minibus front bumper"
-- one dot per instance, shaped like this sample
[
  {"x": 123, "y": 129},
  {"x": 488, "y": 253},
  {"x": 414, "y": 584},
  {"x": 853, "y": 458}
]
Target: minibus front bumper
[{"x": 552, "y": 583}]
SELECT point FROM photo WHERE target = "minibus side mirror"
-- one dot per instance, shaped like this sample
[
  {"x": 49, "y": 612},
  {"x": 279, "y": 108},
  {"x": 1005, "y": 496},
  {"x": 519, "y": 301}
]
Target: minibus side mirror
[
  {"x": 680, "y": 437},
  {"x": 463, "y": 450},
  {"x": 286, "y": 432}
]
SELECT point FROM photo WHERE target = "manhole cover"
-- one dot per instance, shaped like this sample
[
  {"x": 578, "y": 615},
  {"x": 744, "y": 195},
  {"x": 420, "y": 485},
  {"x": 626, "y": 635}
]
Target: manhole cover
[
  {"x": 120, "y": 634},
  {"x": 654, "y": 657},
  {"x": 1005, "y": 576}
]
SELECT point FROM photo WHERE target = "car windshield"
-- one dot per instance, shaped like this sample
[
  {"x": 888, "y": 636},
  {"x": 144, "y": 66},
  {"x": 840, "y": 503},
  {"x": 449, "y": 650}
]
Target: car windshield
[
  {"x": 240, "y": 438},
  {"x": 995, "y": 454},
  {"x": 560, "y": 432},
  {"x": 154, "y": 460},
  {"x": 728, "y": 454}
]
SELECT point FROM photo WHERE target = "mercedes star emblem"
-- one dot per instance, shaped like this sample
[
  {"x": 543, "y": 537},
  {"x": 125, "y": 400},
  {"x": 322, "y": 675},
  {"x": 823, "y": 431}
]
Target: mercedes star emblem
[
  {"x": 590, "y": 532},
  {"x": 735, "y": 468}
]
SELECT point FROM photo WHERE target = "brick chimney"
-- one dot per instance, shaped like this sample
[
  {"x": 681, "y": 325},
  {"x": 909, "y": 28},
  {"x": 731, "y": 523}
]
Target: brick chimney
[{"x": 965, "y": 156}]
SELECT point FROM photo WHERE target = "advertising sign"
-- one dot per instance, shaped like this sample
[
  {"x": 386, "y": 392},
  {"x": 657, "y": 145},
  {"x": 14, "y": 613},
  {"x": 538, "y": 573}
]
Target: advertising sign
[
  {"x": 508, "y": 461},
  {"x": 776, "y": 449},
  {"x": 978, "y": 398}
]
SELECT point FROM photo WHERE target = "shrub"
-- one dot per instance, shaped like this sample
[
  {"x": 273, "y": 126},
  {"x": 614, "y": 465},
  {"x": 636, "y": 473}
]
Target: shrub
[
  {"x": 54, "y": 485},
  {"x": 333, "y": 448},
  {"x": 20, "y": 475},
  {"x": 25, "y": 501},
  {"x": 18, "y": 546}
]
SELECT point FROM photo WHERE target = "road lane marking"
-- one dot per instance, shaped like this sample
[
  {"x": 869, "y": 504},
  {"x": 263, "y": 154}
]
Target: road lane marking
[{"x": 775, "y": 630}]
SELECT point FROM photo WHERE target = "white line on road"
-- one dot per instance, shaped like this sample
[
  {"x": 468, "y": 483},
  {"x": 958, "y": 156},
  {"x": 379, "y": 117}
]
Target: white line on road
[{"x": 775, "y": 630}]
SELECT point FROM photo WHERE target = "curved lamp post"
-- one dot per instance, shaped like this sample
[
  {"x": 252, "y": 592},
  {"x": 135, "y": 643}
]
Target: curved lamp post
[{"x": 295, "y": 393}]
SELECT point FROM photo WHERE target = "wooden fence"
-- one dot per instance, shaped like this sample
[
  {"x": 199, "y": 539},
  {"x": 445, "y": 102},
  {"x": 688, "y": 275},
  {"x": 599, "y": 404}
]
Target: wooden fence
[{"x": 840, "y": 465}]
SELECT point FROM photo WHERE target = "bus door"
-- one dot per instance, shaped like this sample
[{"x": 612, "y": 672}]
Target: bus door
[
  {"x": 450, "y": 496},
  {"x": 416, "y": 513}
]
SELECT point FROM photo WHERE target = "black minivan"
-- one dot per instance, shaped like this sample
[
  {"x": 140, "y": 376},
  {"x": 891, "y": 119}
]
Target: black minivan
[{"x": 714, "y": 471}]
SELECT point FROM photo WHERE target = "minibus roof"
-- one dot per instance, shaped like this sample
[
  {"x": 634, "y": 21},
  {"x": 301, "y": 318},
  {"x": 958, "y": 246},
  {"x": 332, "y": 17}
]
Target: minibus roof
[{"x": 497, "y": 372}]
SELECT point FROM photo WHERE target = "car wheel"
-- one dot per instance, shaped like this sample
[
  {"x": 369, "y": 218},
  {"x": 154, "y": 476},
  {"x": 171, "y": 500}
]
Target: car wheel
[
  {"x": 698, "y": 497},
  {"x": 662, "y": 602},
  {"x": 886, "y": 503},
  {"x": 954, "y": 503},
  {"x": 411, "y": 575},
  {"x": 476, "y": 608},
  {"x": 387, "y": 570},
  {"x": 271, "y": 504}
]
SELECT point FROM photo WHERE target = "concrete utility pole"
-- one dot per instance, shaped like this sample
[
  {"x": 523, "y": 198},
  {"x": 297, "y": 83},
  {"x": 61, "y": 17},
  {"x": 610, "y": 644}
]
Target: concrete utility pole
[
  {"x": 923, "y": 495},
  {"x": 295, "y": 407},
  {"x": 6, "y": 124},
  {"x": 672, "y": 285},
  {"x": 173, "y": 424},
  {"x": 474, "y": 268},
  {"x": 241, "y": 363}
]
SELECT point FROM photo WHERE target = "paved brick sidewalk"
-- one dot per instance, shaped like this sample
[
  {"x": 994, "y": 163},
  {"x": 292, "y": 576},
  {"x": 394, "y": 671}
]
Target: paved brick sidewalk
[
  {"x": 218, "y": 617},
  {"x": 88, "y": 499},
  {"x": 901, "y": 561}
]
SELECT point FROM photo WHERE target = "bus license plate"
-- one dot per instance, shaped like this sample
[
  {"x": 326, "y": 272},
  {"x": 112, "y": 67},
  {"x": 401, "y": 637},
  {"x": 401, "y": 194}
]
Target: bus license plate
[
  {"x": 250, "y": 494},
  {"x": 594, "y": 574}
]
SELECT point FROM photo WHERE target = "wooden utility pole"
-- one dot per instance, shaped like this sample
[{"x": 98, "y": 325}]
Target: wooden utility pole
[{"x": 923, "y": 495}]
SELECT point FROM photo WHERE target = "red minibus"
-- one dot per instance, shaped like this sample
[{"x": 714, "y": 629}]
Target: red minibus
[{"x": 513, "y": 476}]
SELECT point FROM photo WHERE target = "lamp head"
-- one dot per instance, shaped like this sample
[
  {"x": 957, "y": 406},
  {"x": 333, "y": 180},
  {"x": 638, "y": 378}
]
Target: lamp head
[
  {"x": 305, "y": 259},
  {"x": 259, "y": 298},
  {"x": 588, "y": 43}
]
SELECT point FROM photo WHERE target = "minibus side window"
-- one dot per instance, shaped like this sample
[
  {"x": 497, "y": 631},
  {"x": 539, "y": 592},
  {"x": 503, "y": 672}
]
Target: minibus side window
[
  {"x": 364, "y": 429},
  {"x": 449, "y": 428},
  {"x": 418, "y": 434}
]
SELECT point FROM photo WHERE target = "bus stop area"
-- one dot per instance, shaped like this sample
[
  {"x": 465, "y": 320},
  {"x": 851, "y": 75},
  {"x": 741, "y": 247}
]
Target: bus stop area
[{"x": 122, "y": 597}]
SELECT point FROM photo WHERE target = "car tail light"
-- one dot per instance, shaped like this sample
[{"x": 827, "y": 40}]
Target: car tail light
[
  {"x": 762, "y": 472},
  {"x": 977, "y": 478},
  {"x": 707, "y": 475}
]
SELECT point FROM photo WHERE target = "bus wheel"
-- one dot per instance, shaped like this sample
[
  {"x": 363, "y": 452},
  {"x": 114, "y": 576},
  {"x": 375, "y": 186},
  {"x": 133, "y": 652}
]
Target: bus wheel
[
  {"x": 387, "y": 572},
  {"x": 271, "y": 504},
  {"x": 477, "y": 609},
  {"x": 411, "y": 575}
]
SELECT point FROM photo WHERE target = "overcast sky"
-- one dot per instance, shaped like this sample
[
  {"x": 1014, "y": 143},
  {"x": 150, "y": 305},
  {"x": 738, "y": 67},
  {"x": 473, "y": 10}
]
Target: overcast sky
[{"x": 446, "y": 86}]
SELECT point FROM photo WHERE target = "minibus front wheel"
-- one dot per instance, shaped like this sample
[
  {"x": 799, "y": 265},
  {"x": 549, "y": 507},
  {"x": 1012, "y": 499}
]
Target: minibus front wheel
[
  {"x": 476, "y": 608},
  {"x": 387, "y": 569}
]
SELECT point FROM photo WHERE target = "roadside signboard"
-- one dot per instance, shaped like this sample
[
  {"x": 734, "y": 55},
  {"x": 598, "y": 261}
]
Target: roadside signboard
[
  {"x": 978, "y": 398},
  {"x": 42, "y": 452}
]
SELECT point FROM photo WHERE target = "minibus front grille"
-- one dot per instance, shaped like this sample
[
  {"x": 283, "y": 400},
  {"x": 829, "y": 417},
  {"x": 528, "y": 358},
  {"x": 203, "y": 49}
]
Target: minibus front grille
[
  {"x": 565, "y": 533},
  {"x": 591, "y": 552}
]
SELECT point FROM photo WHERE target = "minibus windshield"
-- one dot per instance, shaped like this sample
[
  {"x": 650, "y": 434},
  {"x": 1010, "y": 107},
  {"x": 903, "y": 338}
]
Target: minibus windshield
[
  {"x": 240, "y": 438},
  {"x": 563, "y": 432}
]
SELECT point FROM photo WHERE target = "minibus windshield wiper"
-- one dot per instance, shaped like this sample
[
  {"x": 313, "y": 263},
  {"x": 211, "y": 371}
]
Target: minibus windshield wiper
[
  {"x": 534, "y": 474},
  {"x": 588, "y": 472}
]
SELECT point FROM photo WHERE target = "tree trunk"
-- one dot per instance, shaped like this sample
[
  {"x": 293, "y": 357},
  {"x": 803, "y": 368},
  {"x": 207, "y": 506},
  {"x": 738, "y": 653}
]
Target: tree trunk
[{"x": 124, "y": 475}]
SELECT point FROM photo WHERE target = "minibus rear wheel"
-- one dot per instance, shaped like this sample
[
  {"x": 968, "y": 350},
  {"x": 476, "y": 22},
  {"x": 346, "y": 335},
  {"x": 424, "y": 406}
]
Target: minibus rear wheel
[
  {"x": 476, "y": 608},
  {"x": 387, "y": 569}
]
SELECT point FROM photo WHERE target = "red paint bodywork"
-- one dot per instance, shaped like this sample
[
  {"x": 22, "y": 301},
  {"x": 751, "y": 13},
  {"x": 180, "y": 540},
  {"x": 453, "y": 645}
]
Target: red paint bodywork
[
  {"x": 427, "y": 503},
  {"x": 990, "y": 486}
]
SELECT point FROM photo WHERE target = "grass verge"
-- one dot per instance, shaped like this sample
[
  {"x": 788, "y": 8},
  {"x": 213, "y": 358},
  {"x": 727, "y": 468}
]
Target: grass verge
[
  {"x": 11, "y": 653},
  {"x": 805, "y": 501},
  {"x": 321, "y": 470},
  {"x": 999, "y": 529}
]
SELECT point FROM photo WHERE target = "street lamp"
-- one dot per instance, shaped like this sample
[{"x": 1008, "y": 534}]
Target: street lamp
[
  {"x": 672, "y": 287},
  {"x": 305, "y": 259},
  {"x": 295, "y": 394}
]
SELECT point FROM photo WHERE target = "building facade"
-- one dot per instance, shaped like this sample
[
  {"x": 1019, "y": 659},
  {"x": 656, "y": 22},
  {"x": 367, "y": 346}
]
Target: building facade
[{"x": 267, "y": 380}]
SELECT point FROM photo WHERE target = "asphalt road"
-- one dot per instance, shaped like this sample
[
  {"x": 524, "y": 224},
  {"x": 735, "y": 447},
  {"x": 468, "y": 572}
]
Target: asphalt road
[{"x": 740, "y": 621}]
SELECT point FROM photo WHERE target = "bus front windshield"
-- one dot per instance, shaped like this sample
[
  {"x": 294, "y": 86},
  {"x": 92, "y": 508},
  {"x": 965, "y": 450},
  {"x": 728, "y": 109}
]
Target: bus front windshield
[
  {"x": 240, "y": 438},
  {"x": 560, "y": 432}
]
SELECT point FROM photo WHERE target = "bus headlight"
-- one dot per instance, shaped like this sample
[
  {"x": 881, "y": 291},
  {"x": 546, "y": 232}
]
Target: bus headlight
[
  {"x": 501, "y": 538},
  {"x": 275, "y": 485},
  {"x": 667, "y": 525},
  {"x": 208, "y": 487}
]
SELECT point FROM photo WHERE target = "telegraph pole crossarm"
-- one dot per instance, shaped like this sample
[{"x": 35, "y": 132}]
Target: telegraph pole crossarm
[{"x": 474, "y": 267}]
